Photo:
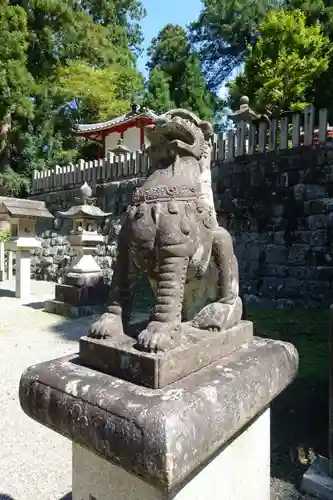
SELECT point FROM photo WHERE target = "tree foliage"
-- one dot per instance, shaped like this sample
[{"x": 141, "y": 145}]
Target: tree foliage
[
  {"x": 62, "y": 61},
  {"x": 223, "y": 32},
  {"x": 98, "y": 93},
  {"x": 15, "y": 83},
  {"x": 175, "y": 74},
  {"x": 158, "y": 95},
  {"x": 319, "y": 11},
  {"x": 281, "y": 67}
]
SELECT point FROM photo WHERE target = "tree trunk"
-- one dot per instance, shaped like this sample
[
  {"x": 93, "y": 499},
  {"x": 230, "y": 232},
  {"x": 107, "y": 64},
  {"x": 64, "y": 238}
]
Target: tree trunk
[{"x": 4, "y": 150}]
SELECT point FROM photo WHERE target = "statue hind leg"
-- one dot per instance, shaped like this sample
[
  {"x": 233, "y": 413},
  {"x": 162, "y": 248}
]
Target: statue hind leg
[
  {"x": 227, "y": 310},
  {"x": 124, "y": 278}
]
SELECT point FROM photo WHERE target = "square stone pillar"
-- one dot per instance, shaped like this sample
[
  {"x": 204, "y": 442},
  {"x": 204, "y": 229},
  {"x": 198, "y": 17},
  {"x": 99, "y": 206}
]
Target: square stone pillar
[
  {"x": 238, "y": 471},
  {"x": 10, "y": 255},
  {"x": 22, "y": 289},
  {"x": 2, "y": 261}
]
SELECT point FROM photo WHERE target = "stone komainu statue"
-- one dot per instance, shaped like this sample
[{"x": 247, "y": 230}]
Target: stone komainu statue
[{"x": 171, "y": 233}]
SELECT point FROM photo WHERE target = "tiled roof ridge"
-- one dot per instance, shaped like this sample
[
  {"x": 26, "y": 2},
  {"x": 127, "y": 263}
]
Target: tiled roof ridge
[{"x": 85, "y": 127}]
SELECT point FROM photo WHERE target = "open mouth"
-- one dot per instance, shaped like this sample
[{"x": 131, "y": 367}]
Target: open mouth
[{"x": 177, "y": 132}]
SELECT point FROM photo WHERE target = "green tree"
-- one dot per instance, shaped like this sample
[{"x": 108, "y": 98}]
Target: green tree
[
  {"x": 97, "y": 93},
  {"x": 73, "y": 50},
  {"x": 173, "y": 64},
  {"x": 322, "y": 11},
  {"x": 122, "y": 17},
  {"x": 223, "y": 32},
  {"x": 15, "y": 84},
  {"x": 282, "y": 66},
  {"x": 158, "y": 91},
  {"x": 193, "y": 93}
]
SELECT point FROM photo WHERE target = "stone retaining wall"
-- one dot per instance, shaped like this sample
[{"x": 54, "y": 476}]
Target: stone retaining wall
[
  {"x": 283, "y": 226},
  {"x": 279, "y": 208}
]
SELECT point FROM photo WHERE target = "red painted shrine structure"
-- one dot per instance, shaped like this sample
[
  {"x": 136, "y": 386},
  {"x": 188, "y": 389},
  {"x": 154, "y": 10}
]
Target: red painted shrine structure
[{"x": 128, "y": 127}]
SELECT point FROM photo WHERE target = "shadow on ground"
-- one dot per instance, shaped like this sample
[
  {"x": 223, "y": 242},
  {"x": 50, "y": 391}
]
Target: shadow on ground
[
  {"x": 66, "y": 497},
  {"x": 3, "y": 496},
  {"x": 36, "y": 305},
  {"x": 6, "y": 293},
  {"x": 299, "y": 429},
  {"x": 73, "y": 328}
]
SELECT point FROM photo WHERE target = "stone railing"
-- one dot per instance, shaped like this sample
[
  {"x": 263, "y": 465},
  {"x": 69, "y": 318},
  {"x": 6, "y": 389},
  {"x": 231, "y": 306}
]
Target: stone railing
[{"x": 247, "y": 138}]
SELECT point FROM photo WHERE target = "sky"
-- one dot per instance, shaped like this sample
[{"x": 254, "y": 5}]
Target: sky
[{"x": 162, "y": 12}]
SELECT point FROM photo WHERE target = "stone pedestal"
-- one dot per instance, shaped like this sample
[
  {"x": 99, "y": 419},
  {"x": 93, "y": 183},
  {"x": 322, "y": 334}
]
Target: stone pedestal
[
  {"x": 203, "y": 437},
  {"x": 84, "y": 291},
  {"x": 22, "y": 247},
  {"x": 10, "y": 259},
  {"x": 22, "y": 289},
  {"x": 2, "y": 261},
  {"x": 317, "y": 480},
  {"x": 79, "y": 296}
]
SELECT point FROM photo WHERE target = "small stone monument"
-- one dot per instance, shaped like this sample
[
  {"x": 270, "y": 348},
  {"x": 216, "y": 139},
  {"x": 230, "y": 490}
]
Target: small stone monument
[
  {"x": 22, "y": 216},
  {"x": 244, "y": 113},
  {"x": 318, "y": 479},
  {"x": 83, "y": 290},
  {"x": 120, "y": 149},
  {"x": 177, "y": 407}
]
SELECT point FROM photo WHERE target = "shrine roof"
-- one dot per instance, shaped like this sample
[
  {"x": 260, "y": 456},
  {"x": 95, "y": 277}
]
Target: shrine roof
[
  {"x": 19, "y": 208},
  {"x": 127, "y": 117}
]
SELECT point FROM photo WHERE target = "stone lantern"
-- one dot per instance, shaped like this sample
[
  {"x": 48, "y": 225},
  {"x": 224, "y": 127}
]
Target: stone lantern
[
  {"x": 83, "y": 285},
  {"x": 244, "y": 113},
  {"x": 242, "y": 118},
  {"x": 20, "y": 217},
  {"x": 120, "y": 149}
]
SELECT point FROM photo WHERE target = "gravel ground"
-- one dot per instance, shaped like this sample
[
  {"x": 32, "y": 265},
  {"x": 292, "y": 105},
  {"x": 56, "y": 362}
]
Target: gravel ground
[{"x": 35, "y": 463}]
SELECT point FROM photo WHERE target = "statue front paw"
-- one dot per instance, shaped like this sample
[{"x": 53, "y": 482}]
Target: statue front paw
[
  {"x": 158, "y": 337},
  {"x": 109, "y": 325}
]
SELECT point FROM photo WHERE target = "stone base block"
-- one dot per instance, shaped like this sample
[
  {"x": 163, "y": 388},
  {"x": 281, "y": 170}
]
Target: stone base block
[
  {"x": 238, "y": 471},
  {"x": 84, "y": 279},
  {"x": 317, "y": 480},
  {"x": 76, "y": 300},
  {"x": 79, "y": 295},
  {"x": 193, "y": 428},
  {"x": 71, "y": 311},
  {"x": 120, "y": 358}
]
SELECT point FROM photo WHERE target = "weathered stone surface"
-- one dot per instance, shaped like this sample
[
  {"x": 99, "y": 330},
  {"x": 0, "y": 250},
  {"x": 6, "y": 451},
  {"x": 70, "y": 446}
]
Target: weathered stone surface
[
  {"x": 317, "y": 480},
  {"x": 82, "y": 295},
  {"x": 161, "y": 435},
  {"x": 72, "y": 311},
  {"x": 276, "y": 254},
  {"x": 319, "y": 206},
  {"x": 118, "y": 357},
  {"x": 95, "y": 478},
  {"x": 171, "y": 235},
  {"x": 317, "y": 221}
]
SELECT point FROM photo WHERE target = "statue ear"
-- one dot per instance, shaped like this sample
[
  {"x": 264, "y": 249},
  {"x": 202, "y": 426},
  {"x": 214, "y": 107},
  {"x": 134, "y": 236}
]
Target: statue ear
[{"x": 207, "y": 129}]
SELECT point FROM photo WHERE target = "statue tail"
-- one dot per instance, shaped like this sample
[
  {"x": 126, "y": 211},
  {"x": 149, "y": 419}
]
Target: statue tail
[{"x": 219, "y": 315}]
